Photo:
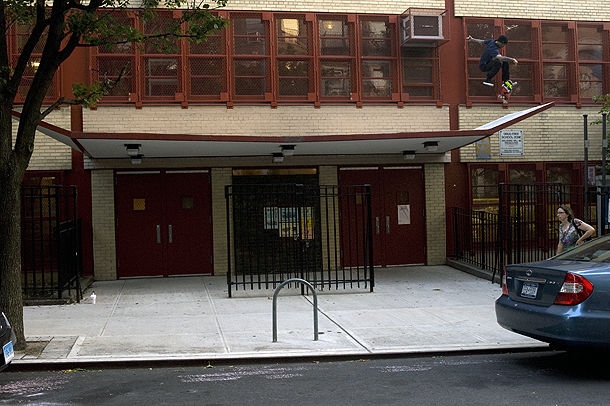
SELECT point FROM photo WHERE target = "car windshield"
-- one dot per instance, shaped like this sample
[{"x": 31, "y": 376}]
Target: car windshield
[{"x": 597, "y": 250}]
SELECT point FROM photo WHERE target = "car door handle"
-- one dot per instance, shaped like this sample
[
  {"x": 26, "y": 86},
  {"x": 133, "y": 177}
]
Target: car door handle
[{"x": 170, "y": 233}]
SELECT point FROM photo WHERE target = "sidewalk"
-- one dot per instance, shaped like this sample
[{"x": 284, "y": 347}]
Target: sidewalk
[{"x": 414, "y": 309}]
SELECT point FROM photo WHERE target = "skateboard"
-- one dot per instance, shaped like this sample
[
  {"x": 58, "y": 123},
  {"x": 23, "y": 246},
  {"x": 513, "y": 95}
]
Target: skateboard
[{"x": 507, "y": 88}]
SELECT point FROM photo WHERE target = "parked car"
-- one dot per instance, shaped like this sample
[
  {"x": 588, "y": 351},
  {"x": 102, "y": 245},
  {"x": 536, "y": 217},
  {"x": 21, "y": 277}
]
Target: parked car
[
  {"x": 564, "y": 300},
  {"x": 7, "y": 338}
]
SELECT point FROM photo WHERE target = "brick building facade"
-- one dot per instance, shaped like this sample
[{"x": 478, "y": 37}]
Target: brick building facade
[{"x": 447, "y": 95}]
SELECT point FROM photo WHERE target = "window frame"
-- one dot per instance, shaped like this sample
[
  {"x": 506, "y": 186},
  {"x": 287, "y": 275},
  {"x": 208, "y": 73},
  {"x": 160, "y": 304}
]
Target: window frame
[
  {"x": 541, "y": 63},
  {"x": 271, "y": 74},
  {"x": 14, "y": 52},
  {"x": 392, "y": 59},
  {"x": 309, "y": 58},
  {"x": 238, "y": 58}
]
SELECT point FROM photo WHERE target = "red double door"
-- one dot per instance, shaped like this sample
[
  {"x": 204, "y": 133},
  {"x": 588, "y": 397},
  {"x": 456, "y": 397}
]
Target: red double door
[
  {"x": 397, "y": 206},
  {"x": 163, "y": 223}
]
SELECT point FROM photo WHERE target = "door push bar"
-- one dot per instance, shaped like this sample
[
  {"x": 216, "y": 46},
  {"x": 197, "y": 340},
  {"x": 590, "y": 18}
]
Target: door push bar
[{"x": 315, "y": 306}]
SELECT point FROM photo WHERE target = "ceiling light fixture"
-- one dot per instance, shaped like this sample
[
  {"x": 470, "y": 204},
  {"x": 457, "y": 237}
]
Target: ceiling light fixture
[
  {"x": 277, "y": 157},
  {"x": 136, "y": 160},
  {"x": 133, "y": 149},
  {"x": 287, "y": 150},
  {"x": 408, "y": 155},
  {"x": 431, "y": 146}
]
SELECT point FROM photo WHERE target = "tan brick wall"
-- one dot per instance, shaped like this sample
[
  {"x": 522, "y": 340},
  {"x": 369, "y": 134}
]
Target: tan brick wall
[
  {"x": 538, "y": 10},
  {"x": 220, "y": 178},
  {"x": 323, "y": 6},
  {"x": 556, "y": 134},
  {"x": 50, "y": 154},
  {"x": 436, "y": 229},
  {"x": 263, "y": 120},
  {"x": 103, "y": 222}
]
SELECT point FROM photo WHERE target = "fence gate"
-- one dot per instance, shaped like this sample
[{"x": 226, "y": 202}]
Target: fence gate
[
  {"x": 51, "y": 260},
  {"x": 322, "y": 234}
]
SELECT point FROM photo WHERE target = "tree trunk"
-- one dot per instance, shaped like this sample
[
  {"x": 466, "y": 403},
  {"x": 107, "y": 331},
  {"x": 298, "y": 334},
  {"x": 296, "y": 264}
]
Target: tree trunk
[{"x": 11, "y": 301}]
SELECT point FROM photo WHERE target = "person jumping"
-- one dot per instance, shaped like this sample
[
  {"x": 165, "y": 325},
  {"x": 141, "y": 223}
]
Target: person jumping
[{"x": 491, "y": 61}]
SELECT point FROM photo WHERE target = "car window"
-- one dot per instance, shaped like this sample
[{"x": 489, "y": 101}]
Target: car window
[{"x": 597, "y": 250}]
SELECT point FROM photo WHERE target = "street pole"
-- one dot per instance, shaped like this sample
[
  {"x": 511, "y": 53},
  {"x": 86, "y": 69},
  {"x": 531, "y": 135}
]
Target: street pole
[
  {"x": 586, "y": 185},
  {"x": 604, "y": 148}
]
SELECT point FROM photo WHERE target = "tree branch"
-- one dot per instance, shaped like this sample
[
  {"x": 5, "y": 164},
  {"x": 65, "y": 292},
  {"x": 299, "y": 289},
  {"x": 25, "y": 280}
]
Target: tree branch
[{"x": 94, "y": 93}]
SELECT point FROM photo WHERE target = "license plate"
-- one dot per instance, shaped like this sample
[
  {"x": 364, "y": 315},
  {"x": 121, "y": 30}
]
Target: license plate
[
  {"x": 529, "y": 290},
  {"x": 9, "y": 353}
]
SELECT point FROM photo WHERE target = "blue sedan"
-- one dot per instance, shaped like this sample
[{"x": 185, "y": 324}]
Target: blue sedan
[
  {"x": 7, "y": 339},
  {"x": 564, "y": 300}
]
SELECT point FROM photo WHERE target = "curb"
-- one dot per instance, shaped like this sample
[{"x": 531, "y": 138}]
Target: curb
[{"x": 217, "y": 360}]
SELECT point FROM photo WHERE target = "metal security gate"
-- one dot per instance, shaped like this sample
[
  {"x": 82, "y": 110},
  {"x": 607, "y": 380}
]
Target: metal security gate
[
  {"x": 51, "y": 260},
  {"x": 322, "y": 234}
]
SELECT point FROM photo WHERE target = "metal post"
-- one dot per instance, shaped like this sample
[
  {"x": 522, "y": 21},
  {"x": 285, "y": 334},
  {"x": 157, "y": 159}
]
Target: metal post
[
  {"x": 228, "y": 217},
  {"x": 604, "y": 148},
  {"x": 586, "y": 180},
  {"x": 605, "y": 190}
]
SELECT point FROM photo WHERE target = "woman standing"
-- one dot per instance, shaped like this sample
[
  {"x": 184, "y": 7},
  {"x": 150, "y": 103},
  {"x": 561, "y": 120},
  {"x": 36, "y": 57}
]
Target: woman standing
[{"x": 568, "y": 235}]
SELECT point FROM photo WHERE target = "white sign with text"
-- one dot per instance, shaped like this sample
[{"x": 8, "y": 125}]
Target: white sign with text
[{"x": 511, "y": 142}]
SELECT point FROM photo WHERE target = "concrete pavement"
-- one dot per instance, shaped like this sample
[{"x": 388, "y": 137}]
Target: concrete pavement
[{"x": 413, "y": 309}]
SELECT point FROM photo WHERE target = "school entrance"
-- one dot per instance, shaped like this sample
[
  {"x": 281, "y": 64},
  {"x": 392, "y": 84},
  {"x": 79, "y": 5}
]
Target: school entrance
[
  {"x": 279, "y": 231},
  {"x": 397, "y": 204},
  {"x": 163, "y": 223}
]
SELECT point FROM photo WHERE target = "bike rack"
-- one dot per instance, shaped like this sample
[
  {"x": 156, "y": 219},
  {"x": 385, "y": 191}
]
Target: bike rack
[{"x": 315, "y": 306}]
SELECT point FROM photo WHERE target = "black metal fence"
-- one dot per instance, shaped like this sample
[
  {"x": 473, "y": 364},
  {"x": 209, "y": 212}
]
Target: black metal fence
[
  {"x": 322, "y": 234},
  {"x": 525, "y": 228},
  {"x": 51, "y": 260},
  {"x": 476, "y": 237}
]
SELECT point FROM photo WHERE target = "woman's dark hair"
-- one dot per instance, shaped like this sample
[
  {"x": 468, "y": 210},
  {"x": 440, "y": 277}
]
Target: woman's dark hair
[{"x": 568, "y": 211}]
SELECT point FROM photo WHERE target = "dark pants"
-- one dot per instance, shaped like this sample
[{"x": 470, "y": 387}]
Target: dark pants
[{"x": 492, "y": 67}]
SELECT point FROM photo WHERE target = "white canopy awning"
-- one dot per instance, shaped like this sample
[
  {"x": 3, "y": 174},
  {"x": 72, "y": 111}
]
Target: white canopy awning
[{"x": 155, "y": 145}]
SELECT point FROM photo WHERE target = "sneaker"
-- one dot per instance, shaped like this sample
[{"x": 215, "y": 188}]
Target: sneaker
[{"x": 488, "y": 83}]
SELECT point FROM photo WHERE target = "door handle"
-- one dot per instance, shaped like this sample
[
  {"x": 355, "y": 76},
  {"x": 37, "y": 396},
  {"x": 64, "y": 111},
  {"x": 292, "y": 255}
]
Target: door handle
[
  {"x": 170, "y": 233},
  {"x": 158, "y": 234},
  {"x": 377, "y": 224},
  {"x": 387, "y": 224}
]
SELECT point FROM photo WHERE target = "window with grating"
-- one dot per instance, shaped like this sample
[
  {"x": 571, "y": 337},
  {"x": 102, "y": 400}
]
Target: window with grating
[
  {"x": 521, "y": 47},
  {"x": 20, "y": 37},
  {"x": 336, "y": 58},
  {"x": 112, "y": 59},
  {"x": 161, "y": 63},
  {"x": 592, "y": 69},
  {"x": 378, "y": 70},
  {"x": 479, "y": 29},
  {"x": 564, "y": 61},
  {"x": 420, "y": 67},
  {"x": 207, "y": 68},
  {"x": 558, "y": 60},
  {"x": 290, "y": 57},
  {"x": 251, "y": 56},
  {"x": 294, "y": 58}
]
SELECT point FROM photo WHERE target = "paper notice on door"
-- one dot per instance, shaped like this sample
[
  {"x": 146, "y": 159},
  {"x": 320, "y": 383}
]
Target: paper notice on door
[{"x": 404, "y": 214}]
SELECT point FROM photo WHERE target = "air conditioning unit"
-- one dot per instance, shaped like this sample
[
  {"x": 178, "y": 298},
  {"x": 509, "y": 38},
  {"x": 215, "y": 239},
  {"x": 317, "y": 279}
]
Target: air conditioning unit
[{"x": 422, "y": 27}]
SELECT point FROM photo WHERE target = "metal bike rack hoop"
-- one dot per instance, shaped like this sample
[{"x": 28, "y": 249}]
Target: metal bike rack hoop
[{"x": 315, "y": 306}]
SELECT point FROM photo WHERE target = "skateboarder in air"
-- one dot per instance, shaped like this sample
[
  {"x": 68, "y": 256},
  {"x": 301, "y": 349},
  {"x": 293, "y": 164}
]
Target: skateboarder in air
[{"x": 491, "y": 60}]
